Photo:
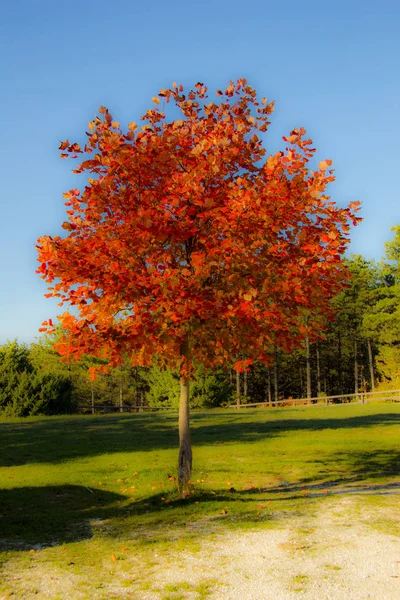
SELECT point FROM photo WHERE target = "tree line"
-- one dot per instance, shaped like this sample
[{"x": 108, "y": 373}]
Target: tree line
[{"x": 358, "y": 351}]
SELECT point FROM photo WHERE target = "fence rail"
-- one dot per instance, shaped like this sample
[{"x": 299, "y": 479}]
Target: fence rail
[
  {"x": 89, "y": 408},
  {"x": 359, "y": 398}
]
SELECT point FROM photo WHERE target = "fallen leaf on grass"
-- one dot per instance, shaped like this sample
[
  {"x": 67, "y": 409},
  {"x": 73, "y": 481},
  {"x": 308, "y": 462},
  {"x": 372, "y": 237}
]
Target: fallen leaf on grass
[{"x": 287, "y": 546}]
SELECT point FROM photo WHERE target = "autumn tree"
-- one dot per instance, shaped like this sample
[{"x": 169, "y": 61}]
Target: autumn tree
[{"x": 189, "y": 244}]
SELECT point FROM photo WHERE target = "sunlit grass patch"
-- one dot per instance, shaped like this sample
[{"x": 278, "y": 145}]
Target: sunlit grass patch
[{"x": 95, "y": 497}]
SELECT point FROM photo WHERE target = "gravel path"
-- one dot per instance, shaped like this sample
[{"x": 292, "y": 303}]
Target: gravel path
[
  {"x": 320, "y": 559},
  {"x": 337, "y": 555}
]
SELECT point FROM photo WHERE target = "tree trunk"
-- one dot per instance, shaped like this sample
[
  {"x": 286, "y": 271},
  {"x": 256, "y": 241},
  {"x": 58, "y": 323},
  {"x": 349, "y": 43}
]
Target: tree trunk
[
  {"x": 318, "y": 372},
  {"x": 237, "y": 389},
  {"x": 245, "y": 385},
  {"x": 355, "y": 368},
  {"x": 340, "y": 369},
  {"x": 371, "y": 366},
  {"x": 185, "y": 445},
  {"x": 92, "y": 390},
  {"x": 301, "y": 381},
  {"x": 269, "y": 386},
  {"x": 362, "y": 376},
  {"x": 137, "y": 394},
  {"x": 276, "y": 390},
  {"x": 308, "y": 369}
]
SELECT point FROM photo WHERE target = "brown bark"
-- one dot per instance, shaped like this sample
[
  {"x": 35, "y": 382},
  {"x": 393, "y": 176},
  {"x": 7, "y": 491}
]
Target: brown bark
[
  {"x": 318, "y": 372},
  {"x": 137, "y": 394},
  {"x": 245, "y": 385},
  {"x": 185, "y": 445},
  {"x": 269, "y": 386},
  {"x": 308, "y": 369},
  {"x": 276, "y": 390},
  {"x": 237, "y": 389},
  {"x": 301, "y": 381}
]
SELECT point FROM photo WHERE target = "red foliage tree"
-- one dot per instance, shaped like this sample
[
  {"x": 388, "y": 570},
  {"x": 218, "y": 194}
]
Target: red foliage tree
[{"x": 189, "y": 244}]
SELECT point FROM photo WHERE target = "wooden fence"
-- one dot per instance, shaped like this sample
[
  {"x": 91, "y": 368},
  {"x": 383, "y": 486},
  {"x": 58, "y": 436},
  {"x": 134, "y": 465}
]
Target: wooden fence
[
  {"x": 115, "y": 408},
  {"x": 360, "y": 398}
]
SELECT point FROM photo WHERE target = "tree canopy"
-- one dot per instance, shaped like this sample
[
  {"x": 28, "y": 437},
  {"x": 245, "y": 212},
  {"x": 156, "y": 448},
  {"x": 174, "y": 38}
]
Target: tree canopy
[{"x": 187, "y": 228}]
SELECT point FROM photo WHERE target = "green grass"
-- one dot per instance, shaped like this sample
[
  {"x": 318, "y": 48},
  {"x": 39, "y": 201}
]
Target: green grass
[{"x": 96, "y": 496}]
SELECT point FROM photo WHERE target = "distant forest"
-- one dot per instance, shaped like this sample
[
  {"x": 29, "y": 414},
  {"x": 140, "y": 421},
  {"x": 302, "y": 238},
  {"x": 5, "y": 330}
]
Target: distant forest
[{"x": 358, "y": 351}]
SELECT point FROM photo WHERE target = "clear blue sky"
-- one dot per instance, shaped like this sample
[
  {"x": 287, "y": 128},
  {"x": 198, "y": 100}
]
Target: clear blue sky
[{"x": 332, "y": 67}]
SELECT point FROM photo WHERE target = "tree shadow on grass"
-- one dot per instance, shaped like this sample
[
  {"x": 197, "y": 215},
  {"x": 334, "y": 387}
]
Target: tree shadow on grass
[
  {"x": 374, "y": 472},
  {"x": 36, "y": 517},
  {"x": 39, "y": 517},
  {"x": 55, "y": 440}
]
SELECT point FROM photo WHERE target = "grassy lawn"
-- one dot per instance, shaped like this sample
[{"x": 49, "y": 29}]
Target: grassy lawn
[{"x": 95, "y": 496}]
